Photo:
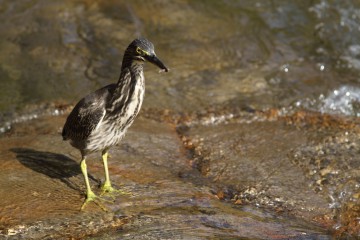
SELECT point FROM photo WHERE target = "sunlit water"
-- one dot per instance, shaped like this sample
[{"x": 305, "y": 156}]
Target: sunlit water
[{"x": 342, "y": 101}]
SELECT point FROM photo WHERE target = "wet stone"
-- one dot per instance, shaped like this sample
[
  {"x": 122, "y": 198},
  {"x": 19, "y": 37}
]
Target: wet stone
[
  {"x": 42, "y": 189},
  {"x": 189, "y": 175},
  {"x": 310, "y": 168},
  {"x": 253, "y": 159}
]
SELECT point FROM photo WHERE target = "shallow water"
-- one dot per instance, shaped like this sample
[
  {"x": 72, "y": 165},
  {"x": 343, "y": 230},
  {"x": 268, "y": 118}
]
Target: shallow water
[{"x": 222, "y": 54}]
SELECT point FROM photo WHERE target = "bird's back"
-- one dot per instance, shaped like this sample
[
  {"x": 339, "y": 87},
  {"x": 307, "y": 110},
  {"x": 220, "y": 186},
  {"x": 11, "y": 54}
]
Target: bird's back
[{"x": 86, "y": 115}]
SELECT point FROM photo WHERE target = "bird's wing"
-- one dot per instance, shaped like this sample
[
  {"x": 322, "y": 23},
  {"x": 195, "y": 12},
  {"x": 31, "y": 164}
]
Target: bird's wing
[{"x": 87, "y": 114}]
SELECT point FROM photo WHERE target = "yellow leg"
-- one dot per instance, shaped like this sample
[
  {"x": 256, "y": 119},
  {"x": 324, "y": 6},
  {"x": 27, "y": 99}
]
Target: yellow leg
[
  {"x": 106, "y": 187},
  {"x": 90, "y": 195},
  {"x": 107, "y": 184}
]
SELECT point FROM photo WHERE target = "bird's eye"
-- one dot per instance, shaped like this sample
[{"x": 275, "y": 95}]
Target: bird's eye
[{"x": 141, "y": 51}]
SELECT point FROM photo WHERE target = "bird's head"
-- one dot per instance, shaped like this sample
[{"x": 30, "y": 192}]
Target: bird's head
[{"x": 142, "y": 49}]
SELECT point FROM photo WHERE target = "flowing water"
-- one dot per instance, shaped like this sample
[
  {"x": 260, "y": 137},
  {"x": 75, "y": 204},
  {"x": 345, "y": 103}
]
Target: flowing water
[
  {"x": 258, "y": 53},
  {"x": 289, "y": 55}
]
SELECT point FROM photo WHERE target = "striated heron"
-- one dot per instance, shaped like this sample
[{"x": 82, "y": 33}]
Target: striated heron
[{"x": 100, "y": 120}]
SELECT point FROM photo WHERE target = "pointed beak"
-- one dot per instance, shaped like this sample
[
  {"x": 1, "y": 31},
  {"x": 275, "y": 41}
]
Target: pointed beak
[{"x": 154, "y": 60}]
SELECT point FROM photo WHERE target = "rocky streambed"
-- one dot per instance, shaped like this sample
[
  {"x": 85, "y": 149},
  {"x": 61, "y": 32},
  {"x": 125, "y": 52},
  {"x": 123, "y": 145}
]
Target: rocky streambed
[
  {"x": 221, "y": 173},
  {"x": 253, "y": 134}
]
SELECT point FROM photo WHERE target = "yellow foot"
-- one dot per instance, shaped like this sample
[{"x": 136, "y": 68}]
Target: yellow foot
[
  {"x": 91, "y": 197},
  {"x": 107, "y": 189}
]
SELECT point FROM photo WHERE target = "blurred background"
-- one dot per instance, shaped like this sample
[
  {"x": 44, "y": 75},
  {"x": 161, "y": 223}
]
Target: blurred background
[{"x": 262, "y": 54}]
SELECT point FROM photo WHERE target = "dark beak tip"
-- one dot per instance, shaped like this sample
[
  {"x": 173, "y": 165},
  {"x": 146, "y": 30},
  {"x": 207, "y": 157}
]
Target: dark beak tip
[{"x": 155, "y": 60}]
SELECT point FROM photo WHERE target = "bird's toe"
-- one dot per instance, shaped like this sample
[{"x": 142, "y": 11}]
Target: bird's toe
[
  {"x": 108, "y": 190},
  {"x": 92, "y": 197}
]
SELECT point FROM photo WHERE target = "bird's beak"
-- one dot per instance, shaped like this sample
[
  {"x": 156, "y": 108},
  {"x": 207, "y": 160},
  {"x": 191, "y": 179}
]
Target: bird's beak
[{"x": 154, "y": 60}]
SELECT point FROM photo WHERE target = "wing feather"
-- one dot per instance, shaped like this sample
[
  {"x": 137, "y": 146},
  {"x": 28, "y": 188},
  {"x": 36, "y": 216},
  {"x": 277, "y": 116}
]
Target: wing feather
[{"x": 87, "y": 114}]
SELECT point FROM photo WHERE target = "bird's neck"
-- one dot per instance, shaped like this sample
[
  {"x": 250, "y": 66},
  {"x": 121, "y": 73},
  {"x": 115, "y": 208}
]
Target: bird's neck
[
  {"x": 131, "y": 78},
  {"x": 130, "y": 62},
  {"x": 131, "y": 71}
]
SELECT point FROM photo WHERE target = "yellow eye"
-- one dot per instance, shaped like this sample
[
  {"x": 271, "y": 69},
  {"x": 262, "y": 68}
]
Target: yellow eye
[{"x": 141, "y": 52}]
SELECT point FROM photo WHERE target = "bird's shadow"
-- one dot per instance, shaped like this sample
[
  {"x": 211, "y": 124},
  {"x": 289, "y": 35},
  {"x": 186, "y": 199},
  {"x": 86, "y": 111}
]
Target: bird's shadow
[{"x": 53, "y": 165}]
